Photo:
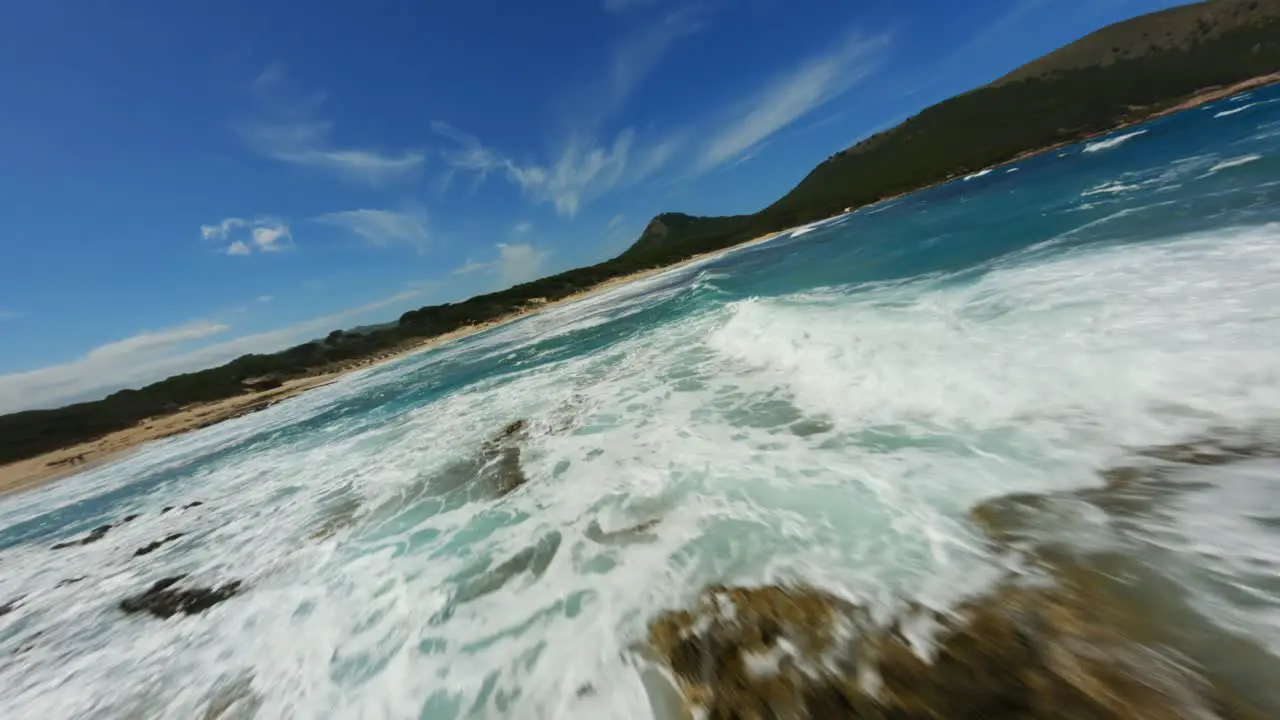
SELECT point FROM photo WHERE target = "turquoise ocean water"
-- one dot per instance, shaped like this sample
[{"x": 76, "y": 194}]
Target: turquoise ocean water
[{"x": 823, "y": 407}]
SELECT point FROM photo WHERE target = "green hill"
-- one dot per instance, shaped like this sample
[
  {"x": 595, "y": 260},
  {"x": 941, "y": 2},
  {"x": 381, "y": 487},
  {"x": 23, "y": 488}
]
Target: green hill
[
  {"x": 1116, "y": 75},
  {"x": 1122, "y": 73},
  {"x": 1179, "y": 28}
]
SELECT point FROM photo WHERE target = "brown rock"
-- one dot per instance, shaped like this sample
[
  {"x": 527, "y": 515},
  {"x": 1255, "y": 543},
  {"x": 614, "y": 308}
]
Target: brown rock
[{"x": 1018, "y": 652}]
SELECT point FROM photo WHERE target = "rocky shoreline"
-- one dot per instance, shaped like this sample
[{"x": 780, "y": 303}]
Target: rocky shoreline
[
  {"x": 1075, "y": 635},
  {"x": 1071, "y": 634}
]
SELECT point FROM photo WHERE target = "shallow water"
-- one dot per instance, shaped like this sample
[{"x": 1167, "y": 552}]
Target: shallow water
[{"x": 825, "y": 407}]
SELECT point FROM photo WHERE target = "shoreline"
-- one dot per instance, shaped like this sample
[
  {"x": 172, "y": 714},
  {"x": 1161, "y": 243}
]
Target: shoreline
[
  {"x": 68, "y": 461},
  {"x": 1190, "y": 103}
]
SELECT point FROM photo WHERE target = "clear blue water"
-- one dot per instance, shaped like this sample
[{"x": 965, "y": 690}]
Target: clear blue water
[{"x": 826, "y": 406}]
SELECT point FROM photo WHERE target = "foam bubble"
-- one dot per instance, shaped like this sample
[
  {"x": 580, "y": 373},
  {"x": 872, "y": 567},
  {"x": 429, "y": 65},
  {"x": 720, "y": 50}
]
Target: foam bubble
[
  {"x": 1233, "y": 162},
  {"x": 1112, "y": 142}
]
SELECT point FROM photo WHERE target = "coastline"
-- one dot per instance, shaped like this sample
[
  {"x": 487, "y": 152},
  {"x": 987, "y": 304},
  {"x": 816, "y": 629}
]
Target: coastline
[
  {"x": 68, "y": 461},
  {"x": 1194, "y": 101}
]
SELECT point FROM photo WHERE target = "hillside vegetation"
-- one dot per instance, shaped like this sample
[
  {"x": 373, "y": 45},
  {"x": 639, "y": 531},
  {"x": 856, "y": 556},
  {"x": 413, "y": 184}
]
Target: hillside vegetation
[{"x": 1119, "y": 74}]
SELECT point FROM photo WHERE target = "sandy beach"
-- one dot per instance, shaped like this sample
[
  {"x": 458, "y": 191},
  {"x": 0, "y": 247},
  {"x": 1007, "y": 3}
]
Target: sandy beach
[{"x": 68, "y": 461}]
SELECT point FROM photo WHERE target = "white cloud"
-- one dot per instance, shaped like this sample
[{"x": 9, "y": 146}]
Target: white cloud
[
  {"x": 383, "y": 228},
  {"x": 587, "y": 164},
  {"x": 239, "y": 236},
  {"x": 520, "y": 263},
  {"x": 222, "y": 230},
  {"x": 792, "y": 96},
  {"x": 265, "y": 298},
  {"x": 522, "y": 228},
  {"x": 470, "y": 267},
  {"x": 616, "y": 221},
  {"x": 122, "y": 361},
  {"x": 514, "y": 264},
  {"x": 583, "y": 171},
  {"x": 291, "y": 132},
  {"x": 272, "y": 238},
  {"x": 151, "y": 356}
]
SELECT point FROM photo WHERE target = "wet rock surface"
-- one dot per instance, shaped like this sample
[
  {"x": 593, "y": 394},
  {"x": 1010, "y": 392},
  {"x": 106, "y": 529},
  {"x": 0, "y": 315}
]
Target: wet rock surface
[
  {"x": 156, "y": 545},
  {"x": 10, "y": 606},
  {"x": 164, "y": 600},
  {"x": 500, "y": 459},
  {"x": 534, "y": 560},
  {"x": 94, "y": 536},
  {"x": 1090, "y": 631},
  {"x": 1019, "y": 652},
  {"x": 338, "y": 512},
  {"x": 493, "y": 471},
  {"x": 640, "y": 532}
]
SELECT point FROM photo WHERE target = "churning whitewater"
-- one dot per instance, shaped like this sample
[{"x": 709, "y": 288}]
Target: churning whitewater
[{"x": 486, "y": 529}]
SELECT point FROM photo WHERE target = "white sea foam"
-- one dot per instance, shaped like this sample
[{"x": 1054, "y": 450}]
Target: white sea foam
[
  {"x": 838, "y": 435},
  {"x": 980, "y": 173},
  {"x": 1110, "y": 188},
  {"x": 1233, "y": 111},
  {"x": 1112, "y": 142},
  {"x": 1233, "y": 162}
]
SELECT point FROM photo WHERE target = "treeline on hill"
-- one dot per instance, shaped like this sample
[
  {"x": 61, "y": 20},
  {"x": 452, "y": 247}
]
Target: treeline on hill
[{"x": 959, "y": 136}]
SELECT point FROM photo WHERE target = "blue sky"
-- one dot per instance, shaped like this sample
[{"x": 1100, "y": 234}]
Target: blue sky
[{"x": 182, "y": 183}]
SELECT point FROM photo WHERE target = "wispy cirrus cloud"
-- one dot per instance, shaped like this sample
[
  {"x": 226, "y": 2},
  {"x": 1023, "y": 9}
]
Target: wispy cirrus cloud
[
  {"x": 637, "y": 55},
  {"x": 583, "y": 171},
  {"x": 153, "y": 355},
  {"x": 792, "y": 96},
  {"x": 589, "y": 162},
  {"x": 289, "y": 129},
  {"x": 239, "y": 236},
  {"x": 467, "y": 154},
  {"x": 384, "y": 228}
]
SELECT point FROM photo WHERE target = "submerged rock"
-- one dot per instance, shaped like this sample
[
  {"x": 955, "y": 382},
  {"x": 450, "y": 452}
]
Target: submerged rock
[
  {"x": 1017, "y": 652},
  {"x": 164, "y": 601},
  {"x": 500, "y": 459},
  {"x": 10, "y": 606},
  {"x": 494, "y": 471},
  {"x": 339, "y": 512},
  {"x": 94, "y": 536},
  {"x": 635, "y": 534},
  {"x": 534, "y": 559},
  {"x": 156, "y": 545},
  {"x": 233, "y": 699}
]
